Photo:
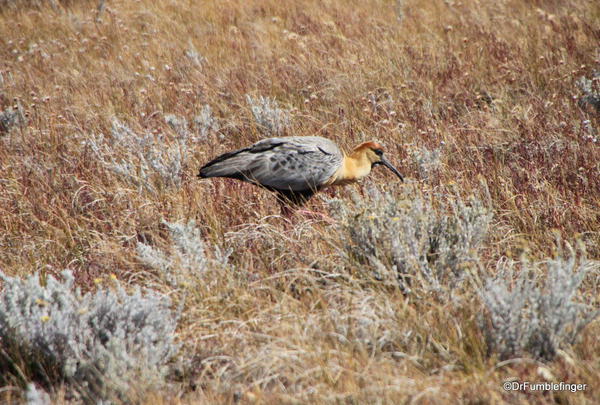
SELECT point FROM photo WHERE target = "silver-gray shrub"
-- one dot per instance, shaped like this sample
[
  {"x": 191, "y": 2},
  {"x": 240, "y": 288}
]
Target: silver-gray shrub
[
  {"x": 409, "y": 242},
  {"x": 99, "y": 343},
  {"x": 428, "y": 162},
  {"x": 591, "y": 91},
  {"x": 271, "y": 120},
  {"x": 11, "y": 118},
  {"x": 205, "y": 123},
  {"x": 179, "y": 125},
  {"x": 143, "y": 160},
  {"x": 535, "y": 314},
  {"x": 36, "y": 395},
  {"x": 194, "y": 56},
  {"x": 187, "y": 258}
]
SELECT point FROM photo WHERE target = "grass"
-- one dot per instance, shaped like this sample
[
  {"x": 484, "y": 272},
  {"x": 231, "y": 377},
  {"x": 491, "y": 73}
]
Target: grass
[{"x": 474, "y": 101}]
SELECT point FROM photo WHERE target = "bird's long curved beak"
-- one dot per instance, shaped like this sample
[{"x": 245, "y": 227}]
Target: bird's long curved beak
[{"x": 391, "y": 167}]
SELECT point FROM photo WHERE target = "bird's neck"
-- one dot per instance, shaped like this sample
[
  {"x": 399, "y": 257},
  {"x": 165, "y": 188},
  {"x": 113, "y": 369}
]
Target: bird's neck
[{"x": 354, "y": 167}]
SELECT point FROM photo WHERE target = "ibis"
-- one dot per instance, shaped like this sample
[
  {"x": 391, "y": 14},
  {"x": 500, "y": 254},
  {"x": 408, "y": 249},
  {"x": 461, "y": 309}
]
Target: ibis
[{"x": 297, "y": 167}]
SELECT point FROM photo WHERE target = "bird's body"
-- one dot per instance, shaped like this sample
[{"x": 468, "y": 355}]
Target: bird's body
[{"x": 296, "y": 167}]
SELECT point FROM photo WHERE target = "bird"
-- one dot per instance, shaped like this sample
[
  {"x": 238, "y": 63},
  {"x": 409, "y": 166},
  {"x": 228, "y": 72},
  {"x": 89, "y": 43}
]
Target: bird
[{"x": 296, "y": 167}]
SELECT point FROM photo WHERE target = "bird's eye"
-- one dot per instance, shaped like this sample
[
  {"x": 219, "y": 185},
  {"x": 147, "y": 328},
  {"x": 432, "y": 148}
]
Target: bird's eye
[{"x": 378, "y": 152}]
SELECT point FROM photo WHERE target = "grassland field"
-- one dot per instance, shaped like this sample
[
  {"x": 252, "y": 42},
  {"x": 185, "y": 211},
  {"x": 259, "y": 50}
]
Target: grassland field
[{"x": 112, "y": 107}]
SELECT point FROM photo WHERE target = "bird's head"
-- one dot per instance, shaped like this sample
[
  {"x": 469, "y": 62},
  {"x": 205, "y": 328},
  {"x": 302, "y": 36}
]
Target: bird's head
[{"x": 373, "y": 152}]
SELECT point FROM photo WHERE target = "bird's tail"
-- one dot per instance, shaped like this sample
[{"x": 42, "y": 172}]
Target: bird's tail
[{"x": 232, "y": 164}]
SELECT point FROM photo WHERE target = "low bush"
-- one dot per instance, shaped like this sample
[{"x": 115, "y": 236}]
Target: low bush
[{"x": 99, "y": 343}]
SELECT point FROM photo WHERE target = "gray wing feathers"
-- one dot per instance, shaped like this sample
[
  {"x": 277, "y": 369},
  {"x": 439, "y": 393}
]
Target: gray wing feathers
[{"x": 287, "y": 163}]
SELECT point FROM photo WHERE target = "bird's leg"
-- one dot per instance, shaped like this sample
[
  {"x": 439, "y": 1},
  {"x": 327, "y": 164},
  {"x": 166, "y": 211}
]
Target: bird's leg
[
  {"x": 290, "y": 207},
  {"x": 286, "y": 210},
  {"x": 316, "y": 215}
]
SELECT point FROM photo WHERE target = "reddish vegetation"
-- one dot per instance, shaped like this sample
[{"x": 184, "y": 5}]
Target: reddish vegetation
[{"x": 492, "y": 84}]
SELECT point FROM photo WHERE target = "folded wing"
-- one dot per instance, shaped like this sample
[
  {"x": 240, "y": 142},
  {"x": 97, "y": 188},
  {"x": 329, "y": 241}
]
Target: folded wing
[{"x": 286, "y": 164}]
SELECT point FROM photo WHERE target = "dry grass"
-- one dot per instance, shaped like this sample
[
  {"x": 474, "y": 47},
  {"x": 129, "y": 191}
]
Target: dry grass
[{"x": 491, "y": 85}]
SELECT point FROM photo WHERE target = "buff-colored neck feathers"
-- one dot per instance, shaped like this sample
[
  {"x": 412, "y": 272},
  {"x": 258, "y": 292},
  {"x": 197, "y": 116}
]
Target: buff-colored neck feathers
[{"x": 356, "y": 165}]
